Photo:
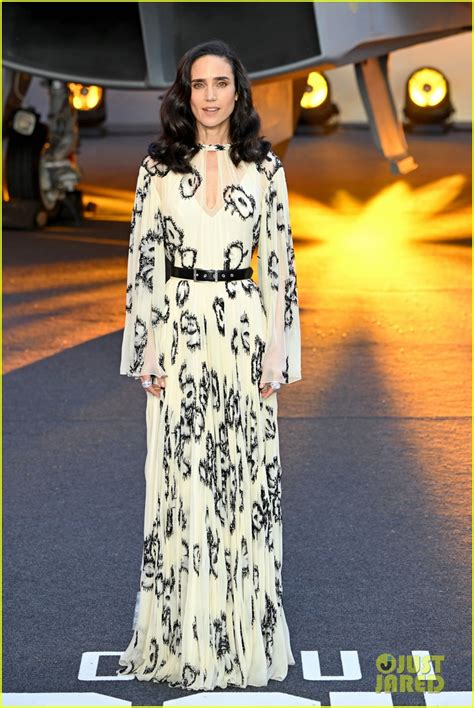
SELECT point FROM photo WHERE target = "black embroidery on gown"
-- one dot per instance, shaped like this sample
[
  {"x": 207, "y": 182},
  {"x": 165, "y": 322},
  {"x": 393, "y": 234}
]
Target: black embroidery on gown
[
  {"x": 186, "y": 257},
  {"x": 190, "y": 327},
  {"x": 269, "y": 165},
  {"x": 238, "y": 201},
  {"x": 270, "y": 202},
  {"x": 268, "y": 626},
  {"x": 273, "y": 270},
  {"x": 234, "y": 255},
  {"x": 129, "y": 298},
  {"x": 256, "y": 233},
  {"x": 217, "y": 146},
  {"x": 231, "y": 288},
  {"x": 154, "y": 168},
  {"x": 218, "y": 307},
  {"x": 140, "y": 341},
  {"x": 160, "y": 315},
  {"x": 174, "y": 237},
  {"x": 182, "y": 292},
  {"x": 189, "y": 183}
]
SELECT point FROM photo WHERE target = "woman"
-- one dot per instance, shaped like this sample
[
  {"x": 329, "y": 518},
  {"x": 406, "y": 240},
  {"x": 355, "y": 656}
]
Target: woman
[{"x": 211, "y": 349}]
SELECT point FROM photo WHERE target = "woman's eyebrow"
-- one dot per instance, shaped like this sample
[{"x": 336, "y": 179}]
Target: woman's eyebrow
[{"x": 215, "y": 78}]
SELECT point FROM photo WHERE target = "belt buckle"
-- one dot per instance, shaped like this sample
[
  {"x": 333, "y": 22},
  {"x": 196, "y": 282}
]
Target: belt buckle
[
  {"x": 194, "y": 274},
  {"x": 216, "y": 274}
]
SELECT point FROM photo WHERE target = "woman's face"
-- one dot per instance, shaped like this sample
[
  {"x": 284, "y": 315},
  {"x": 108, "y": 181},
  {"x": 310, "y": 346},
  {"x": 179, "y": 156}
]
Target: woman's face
[{"x": 213, "y": 92}]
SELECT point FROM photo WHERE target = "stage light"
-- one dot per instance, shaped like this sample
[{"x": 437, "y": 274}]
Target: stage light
[
  {"x": 89, "y": 101},
  {"x": 316, "y": 92},
  {"x": 317, "y": 109},
  {"x": 427, "y": 101},
  {"x": 427, "y": 87},
  {"x": 85, "y": 98}
]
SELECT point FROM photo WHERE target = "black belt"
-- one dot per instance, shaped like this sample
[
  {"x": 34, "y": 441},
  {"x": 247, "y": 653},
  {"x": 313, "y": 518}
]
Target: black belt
[{"x": 202, "y": 274}]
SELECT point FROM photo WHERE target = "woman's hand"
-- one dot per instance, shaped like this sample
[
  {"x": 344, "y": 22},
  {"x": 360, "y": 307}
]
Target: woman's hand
[
  {"x": 266, "y": 390},
  {"x": 157, "y": 385}
]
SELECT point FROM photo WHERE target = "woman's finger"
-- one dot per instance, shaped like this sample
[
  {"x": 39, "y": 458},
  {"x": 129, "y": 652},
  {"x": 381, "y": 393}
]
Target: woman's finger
[
  {"x": 155, "y": 390},
  {"x": 267, "y": 390},
  {"x": 158, "y": 384}
]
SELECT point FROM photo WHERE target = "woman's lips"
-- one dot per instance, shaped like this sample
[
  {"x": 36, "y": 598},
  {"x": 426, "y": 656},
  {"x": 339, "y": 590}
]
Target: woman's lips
[{"x": 210, "y": 110}]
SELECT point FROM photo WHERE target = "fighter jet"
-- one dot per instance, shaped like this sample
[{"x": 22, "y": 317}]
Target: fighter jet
[{"x": 137, "y": 46}]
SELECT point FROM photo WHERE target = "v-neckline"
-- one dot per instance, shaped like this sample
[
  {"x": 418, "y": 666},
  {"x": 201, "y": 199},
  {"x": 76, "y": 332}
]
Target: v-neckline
[
  {"x": 218, "y": 206},
  {"x": 212, "y": 210}
]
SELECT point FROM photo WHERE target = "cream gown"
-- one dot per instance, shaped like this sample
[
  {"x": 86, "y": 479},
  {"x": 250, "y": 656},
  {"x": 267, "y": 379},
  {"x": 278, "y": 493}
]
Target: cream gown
[{"x": 210, "y": 593}]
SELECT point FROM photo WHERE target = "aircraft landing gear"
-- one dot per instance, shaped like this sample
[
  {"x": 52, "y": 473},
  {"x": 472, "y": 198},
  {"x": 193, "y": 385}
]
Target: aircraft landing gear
[{"x": 41, "y": 169}]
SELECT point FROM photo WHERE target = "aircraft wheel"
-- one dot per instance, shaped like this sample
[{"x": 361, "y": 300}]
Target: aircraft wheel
[{"x": 26, "y": 174}]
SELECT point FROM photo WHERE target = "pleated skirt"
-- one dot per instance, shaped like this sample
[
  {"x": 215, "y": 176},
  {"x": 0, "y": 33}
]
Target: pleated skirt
[{"x": 210, "y": 608}]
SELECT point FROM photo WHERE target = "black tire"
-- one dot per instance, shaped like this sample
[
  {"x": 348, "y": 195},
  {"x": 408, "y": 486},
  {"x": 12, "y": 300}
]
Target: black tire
[{"x": 22, "y": 162}]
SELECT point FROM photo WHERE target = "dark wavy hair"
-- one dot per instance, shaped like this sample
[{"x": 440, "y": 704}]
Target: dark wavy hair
[{"x": 176, "y": 144}]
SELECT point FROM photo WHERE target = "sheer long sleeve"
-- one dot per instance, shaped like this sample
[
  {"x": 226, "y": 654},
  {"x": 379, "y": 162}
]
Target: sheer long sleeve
[
  {"x": 278, "y": 284},
  {"x": 146, "y": 303}
]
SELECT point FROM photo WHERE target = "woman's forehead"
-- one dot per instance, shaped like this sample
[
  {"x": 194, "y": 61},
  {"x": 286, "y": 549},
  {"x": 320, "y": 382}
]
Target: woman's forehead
[{"x": 211, "y": 64}]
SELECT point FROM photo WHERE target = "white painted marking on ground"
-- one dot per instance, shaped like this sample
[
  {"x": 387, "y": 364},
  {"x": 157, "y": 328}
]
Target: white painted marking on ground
[
  {"x": 418, "y": 656},
  {"x": 312, "y": 668},
  {"x": 61, "y": 699},
  {"x": 359, "y": 698},
  {"x": 449, "y": 698},
  {"x": 233, "y": 698},
  {"x": 90, "y": 662}
]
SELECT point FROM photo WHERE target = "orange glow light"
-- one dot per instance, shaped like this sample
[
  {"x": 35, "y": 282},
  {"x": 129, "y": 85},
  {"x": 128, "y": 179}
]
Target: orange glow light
[{"x": 85, "y": 98}]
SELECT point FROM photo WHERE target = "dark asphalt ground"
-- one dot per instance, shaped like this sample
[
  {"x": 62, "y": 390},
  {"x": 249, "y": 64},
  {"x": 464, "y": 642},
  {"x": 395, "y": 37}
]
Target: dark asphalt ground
[{"x": 375, "y": 440}]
